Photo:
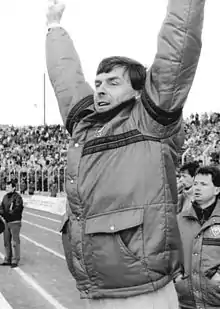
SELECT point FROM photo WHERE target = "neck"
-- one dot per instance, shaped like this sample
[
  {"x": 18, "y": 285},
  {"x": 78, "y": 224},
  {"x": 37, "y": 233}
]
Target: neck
[{"x": 208, "y": 203}]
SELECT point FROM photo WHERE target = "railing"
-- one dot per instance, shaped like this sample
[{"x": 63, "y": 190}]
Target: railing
[
  {"x": 205, "y": 154},
  {"x": 184, "y": 155},
  {"x": 35, "y": 180}
]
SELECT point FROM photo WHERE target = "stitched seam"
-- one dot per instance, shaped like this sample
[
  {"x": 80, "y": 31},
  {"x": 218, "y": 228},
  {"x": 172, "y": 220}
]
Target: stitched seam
[
  {"x": 117, "y": 144},
  {"x": 211, "y": 241},
  {"x": 181, "y": 57},
  {"x": 134, "y": 207},
  {"x": 157, "y": 113},
  {"x": 112, "y": 138},
  {"x": 120, "y": 140}
]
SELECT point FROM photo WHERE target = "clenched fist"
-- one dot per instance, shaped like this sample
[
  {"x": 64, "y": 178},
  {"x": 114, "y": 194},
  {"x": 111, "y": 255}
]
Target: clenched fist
[{"x": 55, "y": 11}]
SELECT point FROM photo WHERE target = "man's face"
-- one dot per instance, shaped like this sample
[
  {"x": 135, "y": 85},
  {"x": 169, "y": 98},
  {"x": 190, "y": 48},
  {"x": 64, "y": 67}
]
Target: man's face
[
  {"x": 186, "y": 179},
  {"x": 204, "y": 189},
  {"x": 112, "y": 89},
  {"x": 9, "y": 188}
]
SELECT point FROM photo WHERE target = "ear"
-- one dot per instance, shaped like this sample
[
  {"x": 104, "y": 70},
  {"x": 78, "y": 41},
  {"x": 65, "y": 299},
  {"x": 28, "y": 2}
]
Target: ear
[{"x": 217, "y": 190}]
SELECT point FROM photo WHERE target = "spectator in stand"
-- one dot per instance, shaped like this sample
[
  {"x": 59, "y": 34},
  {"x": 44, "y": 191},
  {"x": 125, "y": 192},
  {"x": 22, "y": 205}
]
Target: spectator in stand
[
  {"x": 53, "y": 188},
  {"x": 31, "y": 188},
  {"x": 23, "y": 186}
]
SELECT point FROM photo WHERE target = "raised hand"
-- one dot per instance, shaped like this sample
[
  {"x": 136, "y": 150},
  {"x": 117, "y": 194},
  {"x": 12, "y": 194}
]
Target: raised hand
[{"x": 55, "y": 11}]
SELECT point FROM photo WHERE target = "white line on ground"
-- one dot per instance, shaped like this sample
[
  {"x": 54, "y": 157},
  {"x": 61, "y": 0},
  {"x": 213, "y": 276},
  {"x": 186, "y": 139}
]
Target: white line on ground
[
  {"x": 43, "y": 247},
  {"x": 43, "y": 217},
  {"x": 32, "y": 283},
  {"x": 3, "y": 302},
  {"x": 41, "y": 227}
]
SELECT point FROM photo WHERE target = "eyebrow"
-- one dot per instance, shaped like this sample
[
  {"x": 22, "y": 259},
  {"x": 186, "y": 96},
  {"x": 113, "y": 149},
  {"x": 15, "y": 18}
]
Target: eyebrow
[
  {"x": 202, "y": 182},
  {"x": 108, "y": 79}
]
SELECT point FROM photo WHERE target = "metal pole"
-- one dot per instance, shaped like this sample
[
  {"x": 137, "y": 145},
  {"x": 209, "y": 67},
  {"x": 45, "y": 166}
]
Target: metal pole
[
  {"x": 35, "y": 179},
  {"x": 58, "y": 179},
  {"x": 64, "y": 181},
  {"x": 42, "y": 180},
  {"x": 28, "y": 178},
  {"x": 184, "y": 155},
  {"x": 19, "y": 180},
  {"x": 44, "y": 99}
]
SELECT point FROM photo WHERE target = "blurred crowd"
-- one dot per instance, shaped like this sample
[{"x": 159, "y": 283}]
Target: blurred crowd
[
  {"x": 202, "y": 138},
  {"x": 42, "y": 151},
  {"x": 33, "y": 147}
]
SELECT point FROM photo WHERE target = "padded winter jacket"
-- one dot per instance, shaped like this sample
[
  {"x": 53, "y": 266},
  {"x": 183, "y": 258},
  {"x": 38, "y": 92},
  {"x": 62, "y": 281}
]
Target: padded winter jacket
[
  {"x": 120, "y": 231},
  {"x": 201, "y": 246}
]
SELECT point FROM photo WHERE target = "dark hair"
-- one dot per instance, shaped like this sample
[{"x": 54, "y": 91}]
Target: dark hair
[
  {"x": 210, "y": 170},
  {"x": 136, "y": 71},
  {"x": 12, "y": 183},
  {"x": 191, "y": 167}
]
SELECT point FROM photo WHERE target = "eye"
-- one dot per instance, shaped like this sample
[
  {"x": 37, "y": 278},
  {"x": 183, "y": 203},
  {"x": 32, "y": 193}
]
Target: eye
[
  {"x": 114, "y": 82},
  {"x": 97, "y": 84}
]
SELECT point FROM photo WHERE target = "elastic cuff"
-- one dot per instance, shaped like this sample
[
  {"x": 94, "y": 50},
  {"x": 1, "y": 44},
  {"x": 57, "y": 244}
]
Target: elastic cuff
[{"x": 53, "y": 25}]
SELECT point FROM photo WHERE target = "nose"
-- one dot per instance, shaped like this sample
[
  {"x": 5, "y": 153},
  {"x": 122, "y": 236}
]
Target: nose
[
  {"x": 181, "y": 179},
  {"x": 100, "y": 93},
  {"x": 101, "y": 90},
  {"x": 197, "y": 187}
]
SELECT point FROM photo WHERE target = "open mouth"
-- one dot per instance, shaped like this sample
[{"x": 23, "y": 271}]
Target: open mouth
[
  {"x": 102, "y": 103},
  {"x": 197, "y": 194}
]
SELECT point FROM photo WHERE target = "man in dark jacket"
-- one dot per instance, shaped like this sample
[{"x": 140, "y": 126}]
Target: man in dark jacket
[
  {"x": 200, "y": 232},
  {"x": 11, "y": 209},
  {"x": 120, "y": 232}
]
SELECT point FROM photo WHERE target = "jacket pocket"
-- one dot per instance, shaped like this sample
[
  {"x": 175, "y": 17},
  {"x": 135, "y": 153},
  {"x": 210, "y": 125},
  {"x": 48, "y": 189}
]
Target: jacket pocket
[
  {"x": 113, "y": 222},
  {"x": 126, "y": 226},
  {"x": 184, "y": 292},
  {"x": 113, "y": 246},
  {"x": 211, "y": 291}
]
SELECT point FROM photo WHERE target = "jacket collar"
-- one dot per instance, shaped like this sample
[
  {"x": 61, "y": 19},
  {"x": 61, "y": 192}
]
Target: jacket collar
[
  {"x": 191, "y": 214},
  {"x": 9, "y": 194},
  {"x": 105, "y": 117}
]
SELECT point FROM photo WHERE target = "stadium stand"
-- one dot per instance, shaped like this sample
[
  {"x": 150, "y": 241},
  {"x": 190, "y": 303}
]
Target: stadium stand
[{"x": 36, "y": 156}]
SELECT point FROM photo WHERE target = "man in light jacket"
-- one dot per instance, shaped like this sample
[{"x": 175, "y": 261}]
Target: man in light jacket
[
  {"x": 200, "y": 233},
  {"x": 120, "y": 232}
]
